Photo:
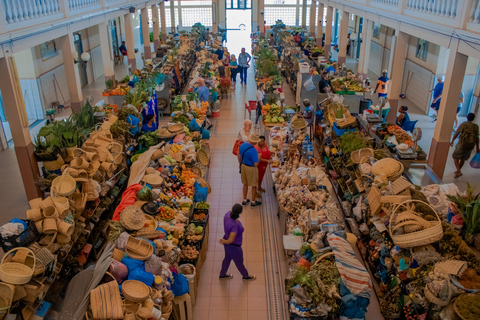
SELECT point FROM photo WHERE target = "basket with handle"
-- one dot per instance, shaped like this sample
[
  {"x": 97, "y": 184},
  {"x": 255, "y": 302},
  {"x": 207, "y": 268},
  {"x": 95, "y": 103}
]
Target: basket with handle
[
  {"x": 7, "y": 291},
  {"x": 359, "y": 154},
  {"x": 418, "y": 238},
  {"x": 64, "y": 185},
  {"x": 105, "y": 301},
  {"x": 130, "y": 306},
  {"x": 323, "y": 256},
  {"x": 204, "y": 184},
  {"x": 14, "y": 272},
  {"x": 33, "y": 288},
  {"x": 434, "y": 299}
]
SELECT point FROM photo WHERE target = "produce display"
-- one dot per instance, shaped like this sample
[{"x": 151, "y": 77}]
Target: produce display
[{"x": 271, "y": 113}]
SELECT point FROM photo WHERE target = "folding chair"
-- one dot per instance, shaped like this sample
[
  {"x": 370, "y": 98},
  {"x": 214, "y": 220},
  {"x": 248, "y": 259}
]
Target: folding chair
[{"x": 251, "y": 106}]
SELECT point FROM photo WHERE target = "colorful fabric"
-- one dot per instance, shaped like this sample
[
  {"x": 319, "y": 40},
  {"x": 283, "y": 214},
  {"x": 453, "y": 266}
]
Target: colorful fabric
[
  {"x": 353, "y": 273},
  {"x": 129, "y": 196}
]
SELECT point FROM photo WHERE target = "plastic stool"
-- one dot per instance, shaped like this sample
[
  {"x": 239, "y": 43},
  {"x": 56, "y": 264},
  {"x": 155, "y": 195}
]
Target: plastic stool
[{"x": 182, "y": 308}]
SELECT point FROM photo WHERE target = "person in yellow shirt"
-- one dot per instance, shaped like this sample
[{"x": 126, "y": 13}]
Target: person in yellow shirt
[{"x": 382, "y": 84}]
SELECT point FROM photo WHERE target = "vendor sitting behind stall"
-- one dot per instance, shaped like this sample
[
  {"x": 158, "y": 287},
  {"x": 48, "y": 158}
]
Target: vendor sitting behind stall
[
  {"x": 403, "y": 116},
  {"x": 150, "y": 126}
]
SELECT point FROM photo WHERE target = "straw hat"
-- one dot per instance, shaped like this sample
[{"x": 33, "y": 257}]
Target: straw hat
[
  {"x": 150, "y": 208},
  {"x": 151, "y": 170},
  {"x": 132, "y": 218},
  {"x": 253, "y": 138},
  {"x": 153, "y": 179}
]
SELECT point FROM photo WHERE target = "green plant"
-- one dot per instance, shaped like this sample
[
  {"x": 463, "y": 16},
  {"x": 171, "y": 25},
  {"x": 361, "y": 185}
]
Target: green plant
[
  {"x": 469, "y": 208},
  {"x": 109, "y": 84}
]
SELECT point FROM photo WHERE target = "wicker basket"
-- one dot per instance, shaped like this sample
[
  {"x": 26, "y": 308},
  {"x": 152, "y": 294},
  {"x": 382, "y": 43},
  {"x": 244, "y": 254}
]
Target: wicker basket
[
  {"x": 419, "y": 238},
  {"x": 33, "y": 288},
  {"x": 204, "y": 184},
  {"x": 118, "y": 254},
  {"x": 64, "y": 185},
  {"x": 7, "y": 291},
  {"x": 14, "y": 272},
  {"x": 439, "y": 302},
  {"x": 455, "y": 306},
  {"x": 35, "y": 214},
  {"x": 130, "y": 306},
  {"x": 78, "y": 201},
  {"x": 149, "y": 234},
  {"x": 135, "y": 291},
  {"x": 54, "y": 165},
  {"x": 150, "y": 223},
  {"x": 49, "y": 226},
  {"x": 138, "y": 249},
  {"x": 175, "y": 128},
  {"x": 203, "y": 157},
  {"x": 359, "y": 154},
  {"x": 392, "y": 168}
]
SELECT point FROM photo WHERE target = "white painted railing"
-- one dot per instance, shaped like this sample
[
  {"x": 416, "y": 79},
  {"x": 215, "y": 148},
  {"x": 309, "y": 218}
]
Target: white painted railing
[
  {"x": 21, "y": 10},
  {"x": 82, "y": 4},
  {"x": 441, "y": 8},
  {"x": 392, "y": 3},
  {"x": 475, "y": 13}
]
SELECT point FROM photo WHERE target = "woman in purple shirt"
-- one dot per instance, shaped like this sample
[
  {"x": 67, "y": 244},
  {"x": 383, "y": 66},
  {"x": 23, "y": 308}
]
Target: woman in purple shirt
[{"x": 232, "y": 242}]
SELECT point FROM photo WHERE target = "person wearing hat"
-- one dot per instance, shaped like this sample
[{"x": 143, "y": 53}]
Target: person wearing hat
[
  {"x": 232, "y": 243},
  {"x": 382, "y": 85},
  {"x": 248, "y": 162}
]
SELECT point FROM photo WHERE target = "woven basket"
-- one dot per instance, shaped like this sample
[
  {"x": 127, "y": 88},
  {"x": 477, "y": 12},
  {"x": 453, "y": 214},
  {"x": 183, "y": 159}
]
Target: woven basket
[
  {"x": 118, "y": 254},
  {"x": 150, "y": 223},
  {"x": 138, "y": 249},
  {"x": 203, "y": 157},
  {"x": 91, "y": 156},
  {"x": 62, "y": 205},
  {"x": 79, "y": 163},
  {"x": 136, "y": 291},
  {"x": 419, "y": 238},
  {"x": 7, "y": 291},
  {"x": 33, "y": 288},
  {"x": 175, "y": 128},
  {"x": 50, "y": 212},
  {"x": 89, "y": 190},
  {"x": 439, "y": 302},
  {"x": 78, "y": 201},
  {"x": 392, "y": 168},
  {"x": 116, "y": 147},
  {"x": 65, "y": 228},
  {"x": 54, "y": 165},
  {"x": 132, "y": 218},
  {"x": 149, "y": 234},
  {"x": 359, "y": 154},
  {"x": 36, "y": 203},
  {"x": 204, "y": 184},
  {"x": 130, "y": 306},
  {"x": 35, "y": 214},
  {"x": 64, "y": 185},
  {"x": 455, "y": 306},
  {"x": 14, "y": 272},
  {"x": 49, "y": 226},
  {"x": 348, "y": 121}
]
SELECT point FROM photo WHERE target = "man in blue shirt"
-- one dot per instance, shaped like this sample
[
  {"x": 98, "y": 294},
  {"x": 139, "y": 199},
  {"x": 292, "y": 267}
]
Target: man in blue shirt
[
  {"x": 437, "y": 95},
  {"x": 248, "y": 161},
  {"x": 243, "y": 61},
  {"x": 219, "y": 53},
  {"x": 202, "y": 90}
]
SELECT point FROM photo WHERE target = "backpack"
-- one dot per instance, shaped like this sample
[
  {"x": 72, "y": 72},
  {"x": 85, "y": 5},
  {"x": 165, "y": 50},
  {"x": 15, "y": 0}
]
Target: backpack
[{"x": 468, "y": 138}]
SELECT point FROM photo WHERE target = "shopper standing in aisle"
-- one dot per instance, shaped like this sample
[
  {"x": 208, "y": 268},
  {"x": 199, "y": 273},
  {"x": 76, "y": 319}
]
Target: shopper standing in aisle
[
  {"x": 244, "y": 133},
  {"x": 323, "y": 85},
  {"x": 243, "y": 65},
  {"x": 248, "y": 162},
  {"x": 308, "y": 115},
  {"x": 459, "y": 108},
  {"x": 265, "y": 159},
  {"x": 232, "y": 243},
  {"x": 233, "y": 70},
  {"x": 260, "y": 97},
  {"x": 382, "y": 85},
  {"x": 437, "y": 95},
  {"x": 468, "y": 139},
  {"x": 206, "y": 36}
]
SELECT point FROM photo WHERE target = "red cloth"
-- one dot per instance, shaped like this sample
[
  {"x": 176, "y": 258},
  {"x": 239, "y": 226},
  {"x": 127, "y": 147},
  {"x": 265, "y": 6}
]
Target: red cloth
[
  {"x": 262, "y": 166},
  {"x": 129, "y": 196}
]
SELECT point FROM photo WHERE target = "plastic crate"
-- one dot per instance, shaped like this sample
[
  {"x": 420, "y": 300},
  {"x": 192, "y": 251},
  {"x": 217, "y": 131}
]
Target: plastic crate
[
  {"x": 339, "y": 132},
  {"x": 202, "y": 223},
  {"x": 24, "y": 239}
]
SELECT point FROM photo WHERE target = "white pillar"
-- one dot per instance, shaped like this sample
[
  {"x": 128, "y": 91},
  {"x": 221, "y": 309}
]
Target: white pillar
[
  {"x": 304, "y": 14},
  {"x": 18, "y": 120},
  {"x": 129, "y": 41},
  {"x": 156, "y": 27},
  {"x": 261, "y": 16},
  {"x": 163, "y": 24},
  {"x": 363, "y": 60},
  {"x": 328, "y": 30},
  {"x": 105, "y": 47},
  {"x": 439, "y": 148},
  {"x": 313, "y": 13},
  {"x": 71, "y": 71},
  {"x": 146, "y": 34},
  {"x": 343, "y": 38},
  {"x": 214, "y": 16},
  {"x": 172, "y": 15},
  {"x": 321, "y": 8},
  {"x": 396, "y": 74}
]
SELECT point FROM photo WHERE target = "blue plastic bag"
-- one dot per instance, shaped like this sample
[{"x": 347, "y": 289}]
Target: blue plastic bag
[
  {"x": 179, "y": 285},
  {"x": 205, "y": 134},
  {"x": 200, "y": 193},
  {"x": 143, "y": 276},
  {"x": 193, "y": 126},
  {"x": 133, "y": 264},
  {"x": 475, "y": 162}
]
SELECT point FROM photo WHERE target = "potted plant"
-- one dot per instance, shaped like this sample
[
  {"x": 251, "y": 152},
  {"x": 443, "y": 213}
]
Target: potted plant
[{"x": 468, "y": 207}]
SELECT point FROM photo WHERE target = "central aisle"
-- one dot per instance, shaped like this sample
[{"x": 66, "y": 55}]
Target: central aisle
[{"x": 235, "y": 298}]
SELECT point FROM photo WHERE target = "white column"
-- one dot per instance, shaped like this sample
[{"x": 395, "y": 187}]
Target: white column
[
  {"x": 71, "y": 71},
  {"x": 156, "y": 27},
  {"x": 214, "y": 16},
  {"x": 172, "y": 15},
  {"x": 129, "y": 41},
  {"x": 367, "y": 31},
  {"x": 105, "y": 47},
  {"x": 396, "y": 73},
  {"x": 18, "y": 120},
  {"x": 304, "y": 14},
  {"x": 147, "y": 48},
  {"x": 313, "y": 13},
  {"x": 261, "y": 16},
  {"x": 163, "y": 24},
  {"x": 439, "y": 148},
  {"x": 321, "y": 8},
  {"x": 343, "y": 38},
  {"x": 328, "y": 30}
]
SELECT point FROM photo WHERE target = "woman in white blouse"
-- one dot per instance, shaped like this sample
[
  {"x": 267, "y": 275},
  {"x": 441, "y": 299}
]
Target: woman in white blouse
[{"x": 245, "y": 131}]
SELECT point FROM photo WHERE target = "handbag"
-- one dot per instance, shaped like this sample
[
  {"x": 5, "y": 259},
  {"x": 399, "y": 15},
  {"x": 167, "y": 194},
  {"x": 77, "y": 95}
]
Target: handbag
[
  {"x": 106, "y": 302},
  {"x": 236, "y": 147}
]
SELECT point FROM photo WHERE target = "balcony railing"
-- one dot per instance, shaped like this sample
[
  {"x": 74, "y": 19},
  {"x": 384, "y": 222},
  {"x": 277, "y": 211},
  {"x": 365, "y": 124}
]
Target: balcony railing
[
  {"x": 22, "y": 10},
  {"x": 82, "y": 4},
  {"x": 440, "y": 8}
]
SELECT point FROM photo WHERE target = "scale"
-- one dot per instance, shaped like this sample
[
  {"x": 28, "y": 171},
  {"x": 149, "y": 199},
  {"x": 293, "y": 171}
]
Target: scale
[
  {"x": 377, "y": 118},
  {"x": 409, "y": 153}
]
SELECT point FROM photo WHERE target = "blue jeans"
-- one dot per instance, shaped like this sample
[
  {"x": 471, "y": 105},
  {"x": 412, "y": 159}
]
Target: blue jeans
[{"x": 243, "y": 74}]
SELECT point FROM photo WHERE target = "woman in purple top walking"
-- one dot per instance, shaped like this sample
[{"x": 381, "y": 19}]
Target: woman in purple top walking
[{"x": 232, "y": 242}]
